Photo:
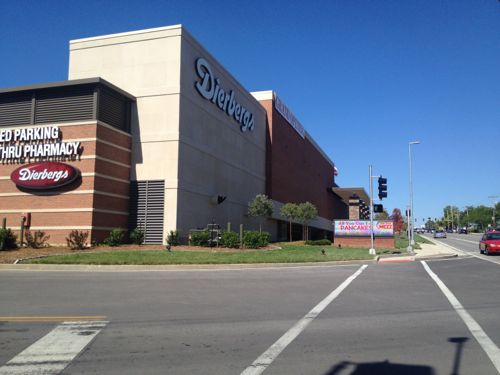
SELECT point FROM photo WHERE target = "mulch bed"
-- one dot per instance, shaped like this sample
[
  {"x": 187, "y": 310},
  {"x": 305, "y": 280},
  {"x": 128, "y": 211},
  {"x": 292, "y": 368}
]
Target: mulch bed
[{"x": 10, "y": 256}]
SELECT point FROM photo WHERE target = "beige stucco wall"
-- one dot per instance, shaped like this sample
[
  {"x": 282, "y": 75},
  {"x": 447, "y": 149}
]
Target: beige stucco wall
[
  {"x": 146, "y": 63},
  {"x": 178, "y": 136},
  {"x": 215, "y": 156}
]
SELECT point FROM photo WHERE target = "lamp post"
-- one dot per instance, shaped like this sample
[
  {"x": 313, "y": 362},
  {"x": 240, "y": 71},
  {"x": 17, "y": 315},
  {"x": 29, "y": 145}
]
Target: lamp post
[
  {"x": 493, "y": 198},
  {"x": 412, "y": 224}
]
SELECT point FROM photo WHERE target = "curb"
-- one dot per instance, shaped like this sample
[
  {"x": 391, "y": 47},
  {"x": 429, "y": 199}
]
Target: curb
[
  {"x": 416, "y": 258},
  {"x": 173, "y": 267}
]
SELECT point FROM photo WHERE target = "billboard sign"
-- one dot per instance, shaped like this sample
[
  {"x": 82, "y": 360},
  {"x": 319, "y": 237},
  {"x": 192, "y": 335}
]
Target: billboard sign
[{"x": 361, "y": 228}]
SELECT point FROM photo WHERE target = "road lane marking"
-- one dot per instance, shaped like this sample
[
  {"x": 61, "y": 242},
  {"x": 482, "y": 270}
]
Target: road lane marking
[
  {"x": 265, "y": 359},
  {"x": 54, "y": 352},
  {"x": 482, "y": 338},
  {"x": 50, "y": 318},
  {"x": 472, "y": 254}
]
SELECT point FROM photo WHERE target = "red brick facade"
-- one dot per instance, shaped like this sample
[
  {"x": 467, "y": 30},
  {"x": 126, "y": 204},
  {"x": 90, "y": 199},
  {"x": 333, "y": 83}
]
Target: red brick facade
[
  {"x": 96, "y": 202},
  {"x": 296, "y": 171},
  {"x": 365, "y": 242}
]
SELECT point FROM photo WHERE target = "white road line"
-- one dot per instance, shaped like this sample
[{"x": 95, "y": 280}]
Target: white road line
[
  {"x": 482, "y": 257},
  {"x": 482, "y": 338},
  {"x": 266, "y": 358},
  {"x": 53, "y": 352}
]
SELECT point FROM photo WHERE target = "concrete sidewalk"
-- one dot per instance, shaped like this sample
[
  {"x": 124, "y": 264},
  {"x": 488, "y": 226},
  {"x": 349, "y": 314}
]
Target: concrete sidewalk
[{"x": 426, "y": 252}]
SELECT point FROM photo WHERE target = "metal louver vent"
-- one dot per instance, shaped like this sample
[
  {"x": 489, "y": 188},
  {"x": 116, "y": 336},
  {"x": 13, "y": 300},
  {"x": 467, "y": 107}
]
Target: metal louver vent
[
  {"x": 15, "y": 110},
  {"x": 113, "y": 110},
  {"x": 147, "y": 202},
  {"x": 75, "y": 104}
]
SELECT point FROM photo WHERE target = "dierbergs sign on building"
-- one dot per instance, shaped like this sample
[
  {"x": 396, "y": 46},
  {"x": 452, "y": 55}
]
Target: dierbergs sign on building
[
  {"x": 210, "y": 88},
  {"x": 44, "y": 175}
]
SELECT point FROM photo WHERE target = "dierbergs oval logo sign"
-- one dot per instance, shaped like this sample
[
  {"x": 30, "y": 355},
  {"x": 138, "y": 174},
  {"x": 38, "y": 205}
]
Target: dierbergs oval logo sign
[{"x": 44, "y": 175}]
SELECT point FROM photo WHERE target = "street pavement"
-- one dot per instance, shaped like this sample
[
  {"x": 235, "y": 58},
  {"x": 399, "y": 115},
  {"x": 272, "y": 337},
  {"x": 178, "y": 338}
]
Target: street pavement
[{"x": 432, "y": 313}]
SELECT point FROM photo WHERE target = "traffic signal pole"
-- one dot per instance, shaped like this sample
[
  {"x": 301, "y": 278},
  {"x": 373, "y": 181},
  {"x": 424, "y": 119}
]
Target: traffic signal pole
[
  {"x": 382, "y": 193},
  {"x": 372, "y": 249}
]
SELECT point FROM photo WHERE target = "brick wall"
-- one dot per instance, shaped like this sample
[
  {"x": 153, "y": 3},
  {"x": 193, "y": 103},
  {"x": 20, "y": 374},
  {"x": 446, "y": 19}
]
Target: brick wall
[
  {"x": 97, "y": 202},
  {"x": 364, "y": 242},
  {"x": 295, "y": 170}
]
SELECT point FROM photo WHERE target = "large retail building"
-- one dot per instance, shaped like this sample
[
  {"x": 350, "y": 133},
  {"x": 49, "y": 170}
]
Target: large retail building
[{"x": 151, "y": 131}]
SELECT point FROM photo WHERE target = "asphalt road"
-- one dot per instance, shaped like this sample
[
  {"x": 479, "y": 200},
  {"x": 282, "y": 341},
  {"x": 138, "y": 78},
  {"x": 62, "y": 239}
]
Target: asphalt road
[
  {"x": 466, "y": 244},
  {"x": 331, "y": 320}
]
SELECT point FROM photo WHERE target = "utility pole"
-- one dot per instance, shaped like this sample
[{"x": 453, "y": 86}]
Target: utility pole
[{"x": 493, "y": 198}]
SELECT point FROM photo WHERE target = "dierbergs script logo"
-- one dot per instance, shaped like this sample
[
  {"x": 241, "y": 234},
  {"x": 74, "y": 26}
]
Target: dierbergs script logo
[
  {"x": 209, "y": 87},
  {"x": 44, "y": 175}
]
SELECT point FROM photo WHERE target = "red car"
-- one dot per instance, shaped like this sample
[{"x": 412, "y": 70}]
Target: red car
[{"x": 490, "y": 243}]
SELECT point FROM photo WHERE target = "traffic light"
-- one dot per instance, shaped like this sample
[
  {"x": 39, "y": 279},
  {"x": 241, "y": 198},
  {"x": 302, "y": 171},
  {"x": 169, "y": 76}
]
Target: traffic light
[
  {"x": 382, "y": 187},
  {"x": 378, "y": 208}
]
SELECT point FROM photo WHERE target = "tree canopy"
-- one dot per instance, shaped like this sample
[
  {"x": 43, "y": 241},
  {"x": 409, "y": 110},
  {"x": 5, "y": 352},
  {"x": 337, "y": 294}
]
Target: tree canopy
[{"x": 260, "y": 207}]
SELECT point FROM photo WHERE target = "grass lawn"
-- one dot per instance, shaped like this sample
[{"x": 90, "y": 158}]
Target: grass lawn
[
  {"x": 289, "y": 254},
  {"x": 402, "y": 241}
]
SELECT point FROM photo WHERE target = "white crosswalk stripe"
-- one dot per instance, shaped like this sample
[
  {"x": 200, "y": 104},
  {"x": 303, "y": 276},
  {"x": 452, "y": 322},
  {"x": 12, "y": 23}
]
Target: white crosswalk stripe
[{"x": 55, "y": 351}]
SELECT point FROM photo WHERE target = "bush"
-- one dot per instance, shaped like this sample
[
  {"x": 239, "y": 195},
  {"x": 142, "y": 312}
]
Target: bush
[
  {"x": 77, "y": 240},
  {"x": 255, "y": 239},
  {"x": 137, "y": 236},
  {"x": 7, "y": 239},
  {"x": 115, "y": 238},
  {"x": 230, "y": 239},
  {"x": 173, "y": 238},
  {"x": 37, "y": 239},
  {"x": 324, "y": 242},
  {"x": 200, "y": 238}
]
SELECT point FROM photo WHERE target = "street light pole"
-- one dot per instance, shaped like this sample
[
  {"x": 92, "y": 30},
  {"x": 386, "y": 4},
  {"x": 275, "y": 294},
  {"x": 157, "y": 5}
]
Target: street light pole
[
  {"x": 412, "y": 239},
  {"x": 493, "y": 198}
]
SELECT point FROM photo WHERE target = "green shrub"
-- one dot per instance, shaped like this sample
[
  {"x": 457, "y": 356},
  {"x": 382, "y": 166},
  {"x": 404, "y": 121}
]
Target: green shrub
[
  {"x": 230, "y": 239},
  {"x": 77, "y": 240},
  {"x": 115, "y": 238},
  {"x": 323, "y": 242},
  {"x": 7, "y": 239},
  {"x": 173, "y": 238},
  {"x": 199, "y": 238},
  {"x": 37, "y": 239},
  {"x": 255, "y": 239},
  {"x": 136, "y": 236}
]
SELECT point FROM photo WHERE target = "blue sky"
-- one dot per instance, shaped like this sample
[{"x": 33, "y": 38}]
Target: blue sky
[{"x": 364, "y": 77}]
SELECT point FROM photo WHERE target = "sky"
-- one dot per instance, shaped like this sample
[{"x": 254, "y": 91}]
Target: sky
[{"x": 364, "y": 77}]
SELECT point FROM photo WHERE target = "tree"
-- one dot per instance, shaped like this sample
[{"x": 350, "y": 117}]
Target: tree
[
  {"x": 260, "y": 207},
  {"x": 307, "y": 212},
  {"x": 382, "y": 215},
  {"x": 397, "y": 218},
  {"x": 290, "y": 211}
]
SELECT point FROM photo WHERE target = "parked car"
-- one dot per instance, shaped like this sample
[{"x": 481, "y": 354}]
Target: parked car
[
  {"x": 439, "y": 234},
  {"x": 463, "y": 231},
  {"x": 490, "y": 243}
]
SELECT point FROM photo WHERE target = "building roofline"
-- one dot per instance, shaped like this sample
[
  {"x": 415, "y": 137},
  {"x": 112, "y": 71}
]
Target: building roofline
[
  {"x": 127, "y": 33},
  {"x": 74, "y": 82},
  {"x": 271, "y": 94}
]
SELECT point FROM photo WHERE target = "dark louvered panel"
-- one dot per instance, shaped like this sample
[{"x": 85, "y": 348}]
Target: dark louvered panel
[
  {"x": 113, "y": 110},
  {"x": 74, "y": 104},
  {"x": 147, "y": 202},
  {"x": 15, "y": 109}
]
